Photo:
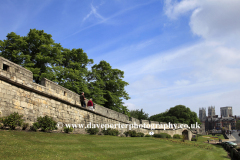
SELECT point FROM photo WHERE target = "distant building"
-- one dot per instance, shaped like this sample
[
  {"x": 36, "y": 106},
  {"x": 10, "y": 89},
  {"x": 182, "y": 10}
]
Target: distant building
[
  {"x": 211, "y": 111},
  {"x": 226, "y": 111},
  {"x": 219, "y": 122},
  {"x": 202, "y": 114},
  {"x": 213, "y": 122}
]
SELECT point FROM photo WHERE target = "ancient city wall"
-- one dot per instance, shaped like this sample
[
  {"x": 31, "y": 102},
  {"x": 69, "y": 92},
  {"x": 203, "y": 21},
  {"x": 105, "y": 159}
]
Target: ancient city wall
[{"x": 18, "y": 93}]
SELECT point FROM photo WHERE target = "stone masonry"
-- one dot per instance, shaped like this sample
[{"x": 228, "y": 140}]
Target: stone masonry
[{"x": 18, "y": 93}]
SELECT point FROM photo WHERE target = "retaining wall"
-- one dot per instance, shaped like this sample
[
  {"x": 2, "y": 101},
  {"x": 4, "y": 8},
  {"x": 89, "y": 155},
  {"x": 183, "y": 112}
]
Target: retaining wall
[{"x": 18, "y": 93}]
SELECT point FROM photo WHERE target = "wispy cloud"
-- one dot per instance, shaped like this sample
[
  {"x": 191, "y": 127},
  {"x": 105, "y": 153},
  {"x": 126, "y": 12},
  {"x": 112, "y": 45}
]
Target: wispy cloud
[
  {"x": 107, "y": 19},
  {"x": 202, "y": 73},
  {"x": 93, "y": 12}
]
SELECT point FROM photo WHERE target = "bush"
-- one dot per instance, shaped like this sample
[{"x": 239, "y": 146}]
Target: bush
[
  {"x": 194, "y": 139},
  {"x": 162, "y": 135},
  {"x": 24, "y": 126},
  {"x": 92, "y": 130},
  {"x": 134, "y": 134},
  {"x": 13, "y": 120},
  {"x": 45, "y": 123},
  {"x": 68, "y": 129},
  {"x": 1, "y": 122},
  {"x": 176, "y": 136},
  {"x": 112, "y": 132},
  {"x": 147, "y": 135},
  {"x": 140, "y": 134},
  {"x": 34, "y": 127},
  {"x": 130, "y": 133}
]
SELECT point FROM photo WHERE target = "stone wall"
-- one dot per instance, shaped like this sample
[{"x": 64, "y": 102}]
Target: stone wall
[{"x": 18, "y": 93}]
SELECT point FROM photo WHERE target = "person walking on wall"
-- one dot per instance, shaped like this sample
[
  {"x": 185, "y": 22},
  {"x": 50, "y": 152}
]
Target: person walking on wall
[
  {"x": 82, "y": 100},
  {"x": 90, "y": 104}
]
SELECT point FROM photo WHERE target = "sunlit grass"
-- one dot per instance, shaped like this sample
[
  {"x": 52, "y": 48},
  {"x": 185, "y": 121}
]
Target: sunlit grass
[{"x": 38, "y": 145}]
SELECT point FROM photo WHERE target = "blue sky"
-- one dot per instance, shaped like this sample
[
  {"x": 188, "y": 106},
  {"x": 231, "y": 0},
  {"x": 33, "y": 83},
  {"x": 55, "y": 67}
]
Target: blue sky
[{"x": 171, "y": 51}]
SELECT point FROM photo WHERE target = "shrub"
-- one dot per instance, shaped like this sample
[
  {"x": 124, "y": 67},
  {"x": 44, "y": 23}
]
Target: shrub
[
  {"x": 134, "y": 134},
  {"x": 168, "y": 136},
  {"x": 176, "y": 136},
  {"x": 1, "y": 119},
  {"x": 130, "y": 133},
  {"x": 112, "y": 132},
  {"x": 162, "y": 135},
  {"x": 140, "y": 134},
  {"x": 45, "y": 123},
  {"x": 122, "y": 135},
  {"x": 147, "y": 135},
  {"x": 92, "y": 130},
  {"x": 1, "y": 122},
  {"x": 33, "y": 127},
  {"x": 194, "y": 139},
  {"x": 68, "y": 129},
  {"x": 24, "y": 126},
  {"x": 13, "y": 120}
]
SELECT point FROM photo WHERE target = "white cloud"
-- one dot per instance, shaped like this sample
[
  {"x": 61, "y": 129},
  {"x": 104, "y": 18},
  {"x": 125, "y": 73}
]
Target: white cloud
[
  {"x": 93, "y": 12},
  {"x": 210, "y": 19},
  {"x": 195, "y": 76},
  {"x": 131, "y": 106},
  {"x": 174, "y": 9}
]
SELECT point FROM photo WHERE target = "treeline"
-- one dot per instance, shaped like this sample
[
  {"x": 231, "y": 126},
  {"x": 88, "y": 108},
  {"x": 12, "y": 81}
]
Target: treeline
[
  {"x": 177, "y": 114},
  {"x": 39, "y": 53}
]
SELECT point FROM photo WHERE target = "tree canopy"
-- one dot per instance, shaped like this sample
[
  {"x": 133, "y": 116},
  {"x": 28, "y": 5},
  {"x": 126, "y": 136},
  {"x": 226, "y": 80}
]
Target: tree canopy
[
  {"x": 67, "y": 67},
  {"x": 107, "y": 87},
  {"x": 177, "y": 114},
  {"x": 139, "y": 114}
]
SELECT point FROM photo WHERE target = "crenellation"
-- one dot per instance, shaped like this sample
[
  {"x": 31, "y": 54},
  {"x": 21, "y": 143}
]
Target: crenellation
[{"x": 18, "y": 93}]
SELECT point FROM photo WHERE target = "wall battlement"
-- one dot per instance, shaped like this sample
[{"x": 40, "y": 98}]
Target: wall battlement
[{"x": 18, "y": 93}]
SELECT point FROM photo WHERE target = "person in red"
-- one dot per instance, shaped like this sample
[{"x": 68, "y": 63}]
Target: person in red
[{"x": 90, "y": 104}]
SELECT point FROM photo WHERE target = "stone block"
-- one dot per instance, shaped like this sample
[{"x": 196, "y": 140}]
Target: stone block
[{"x": 24, "y": 104}]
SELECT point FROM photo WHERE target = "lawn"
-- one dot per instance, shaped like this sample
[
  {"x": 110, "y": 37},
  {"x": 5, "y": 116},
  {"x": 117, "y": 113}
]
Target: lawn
[
  {"x": 39, "y": 145},
  {"x": 210, "y": 138}
]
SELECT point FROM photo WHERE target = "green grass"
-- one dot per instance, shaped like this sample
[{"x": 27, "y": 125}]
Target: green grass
[
  {"x": 38, "y": 145},
  {"x": 213, "y": 138}
]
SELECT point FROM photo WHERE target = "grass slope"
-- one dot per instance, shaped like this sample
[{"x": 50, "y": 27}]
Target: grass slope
[{"x": 38, "y": 145}]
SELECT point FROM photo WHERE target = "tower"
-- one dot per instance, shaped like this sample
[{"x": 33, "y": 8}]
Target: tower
[
  {"x": 202, "y": 114},
  {"x": 211, "y": 111},
  {"x": 226, "y": 111}
]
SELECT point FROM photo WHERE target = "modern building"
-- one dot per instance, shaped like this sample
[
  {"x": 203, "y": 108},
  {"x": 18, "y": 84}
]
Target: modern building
[{"x": 226, "y": 111}]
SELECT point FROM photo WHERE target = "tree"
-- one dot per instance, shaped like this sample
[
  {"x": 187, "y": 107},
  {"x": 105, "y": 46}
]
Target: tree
[
  {"x": 37, "y": 52},
  {"x": 139, "y": 114},
  {"x": 107, "y": 87},
  {"x": 72, "y": 72},
  {"x": 177, "y": 114}
]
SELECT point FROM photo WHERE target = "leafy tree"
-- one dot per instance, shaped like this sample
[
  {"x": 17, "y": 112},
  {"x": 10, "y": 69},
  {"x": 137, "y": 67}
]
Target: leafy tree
[
  {"x": 139, "y": 114},
  {"x": 177, "y": 114},
  {"x": 36, "y": 52},
  {"x": 72, "y": 72},
  {"x": 40, "y": 54},
  {"x": 11, "y": 48},
  {"x": 107, "y": 87}
]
